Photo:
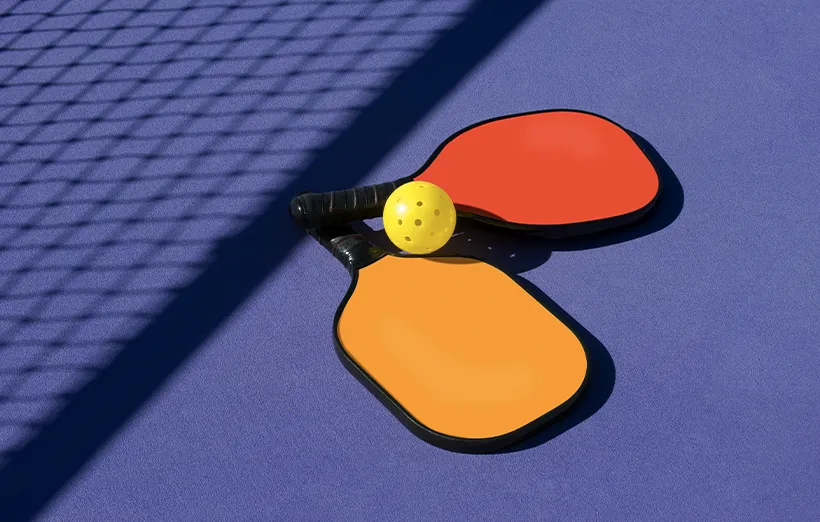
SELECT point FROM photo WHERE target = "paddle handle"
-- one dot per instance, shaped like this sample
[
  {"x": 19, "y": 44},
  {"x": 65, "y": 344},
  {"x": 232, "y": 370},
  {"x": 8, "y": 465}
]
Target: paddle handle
[
  {"x": 348, "y": 246},
  {"x": 313, "y": 210}
]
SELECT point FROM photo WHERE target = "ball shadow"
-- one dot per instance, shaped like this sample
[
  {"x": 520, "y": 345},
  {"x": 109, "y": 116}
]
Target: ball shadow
[{"x": 512, "y": 253}]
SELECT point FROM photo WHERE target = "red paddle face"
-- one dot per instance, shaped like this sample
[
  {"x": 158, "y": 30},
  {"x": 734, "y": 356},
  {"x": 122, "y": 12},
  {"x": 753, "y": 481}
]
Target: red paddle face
[{"x": 548, "y": 168}]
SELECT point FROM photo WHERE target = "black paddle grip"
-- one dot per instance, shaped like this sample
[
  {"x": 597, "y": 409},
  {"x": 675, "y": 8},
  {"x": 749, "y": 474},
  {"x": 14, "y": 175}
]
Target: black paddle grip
[
  {"x": 348, "y": 246},
  {"x": 315, "y": 210}
]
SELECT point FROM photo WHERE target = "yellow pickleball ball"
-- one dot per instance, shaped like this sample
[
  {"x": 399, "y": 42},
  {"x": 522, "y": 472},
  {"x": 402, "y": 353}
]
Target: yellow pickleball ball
[{"x": 419, "y": 217}]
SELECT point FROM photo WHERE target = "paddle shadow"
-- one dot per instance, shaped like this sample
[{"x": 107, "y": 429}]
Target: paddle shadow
[
  {"x": 600, "y": 377},
  {"x": 665, "y": 211}
]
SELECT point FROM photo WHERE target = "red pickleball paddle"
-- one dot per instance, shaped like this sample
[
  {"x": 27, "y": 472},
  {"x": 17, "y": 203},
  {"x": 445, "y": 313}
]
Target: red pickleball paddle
[{"x": 558, "y": 173}]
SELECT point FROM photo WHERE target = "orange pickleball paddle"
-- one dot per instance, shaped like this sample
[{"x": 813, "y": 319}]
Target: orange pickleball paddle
[{"x": 462, "y": 354}]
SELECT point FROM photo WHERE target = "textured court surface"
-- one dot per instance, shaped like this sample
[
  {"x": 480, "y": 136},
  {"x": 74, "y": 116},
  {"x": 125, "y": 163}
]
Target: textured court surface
[{"x": 165, "y": 348}]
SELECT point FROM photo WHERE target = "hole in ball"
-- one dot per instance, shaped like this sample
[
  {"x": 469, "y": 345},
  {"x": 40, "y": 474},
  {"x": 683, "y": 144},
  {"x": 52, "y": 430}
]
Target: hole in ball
[
  {"x": 407, "y": 238},
  {"x": 436, "y": 212},
  {"x": 418, "y": 222},
  {"x": 400, "y": 222}
]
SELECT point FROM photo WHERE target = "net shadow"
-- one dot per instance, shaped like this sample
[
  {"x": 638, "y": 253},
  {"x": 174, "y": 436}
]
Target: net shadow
[{"x": 149, "y": 150}]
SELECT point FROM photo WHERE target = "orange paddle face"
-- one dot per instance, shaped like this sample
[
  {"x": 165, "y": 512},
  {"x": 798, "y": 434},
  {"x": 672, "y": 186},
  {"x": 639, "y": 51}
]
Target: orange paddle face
[
  {"x": 546, "y": 169},
  {"x": 459, "y": 347}
]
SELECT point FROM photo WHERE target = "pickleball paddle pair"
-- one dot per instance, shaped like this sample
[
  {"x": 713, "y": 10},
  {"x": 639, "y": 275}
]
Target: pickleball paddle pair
[{"x": 461, "y": 353}]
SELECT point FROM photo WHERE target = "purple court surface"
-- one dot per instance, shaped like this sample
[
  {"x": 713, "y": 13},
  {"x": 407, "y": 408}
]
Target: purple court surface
[{"x": 165, "y": 332}]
